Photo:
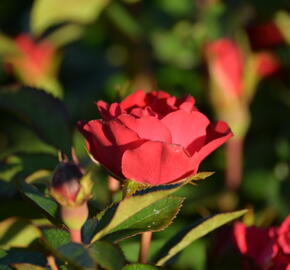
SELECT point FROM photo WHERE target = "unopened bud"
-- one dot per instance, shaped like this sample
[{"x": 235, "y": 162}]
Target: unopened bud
[
  {"x": 71, "y": 190},
  {"x": 65, "y": 184}
]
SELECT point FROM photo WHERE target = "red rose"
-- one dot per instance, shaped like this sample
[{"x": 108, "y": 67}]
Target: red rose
[
  {"x": 257, "y": 244},
  {"x": 225, "y": 62},
  {"x": 266, "y": 64},
  {"x": 152, "y": 138}
]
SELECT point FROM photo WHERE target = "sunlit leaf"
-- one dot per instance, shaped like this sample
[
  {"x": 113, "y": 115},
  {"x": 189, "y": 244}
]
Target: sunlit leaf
[
  {"x": 128, "y": 207},
  {"x": 27, "y": 266},
  {"x": 155, "y": 217},
  {"x": 17, "y": 233},
  {"x": 185, "y": 237},
  {"x": 48, "y": 13}
]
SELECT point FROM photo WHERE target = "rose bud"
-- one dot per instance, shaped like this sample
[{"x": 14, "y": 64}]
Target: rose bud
[
  {"x": 152, "y": 138},
  {"x": 34, "y": 61},
  {"x": 226, "y": 65},
  {"x": 71, "y": 190},
  {"x": 266, "y": 64}
]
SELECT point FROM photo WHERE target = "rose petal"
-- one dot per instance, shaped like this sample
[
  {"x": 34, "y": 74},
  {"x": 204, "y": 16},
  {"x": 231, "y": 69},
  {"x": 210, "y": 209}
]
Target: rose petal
[
  {"x": 284, "y": 235},
  {"x": 157, "y": 163},
  {"x": 137, "y": 99},
  {"x": 187, "y": 104},
  {"x": 217, "y": 134},
  {"x": 186, "y": 127},
  {"x": 255, "y": 243},
  {"x": 108, "y": 141},
  {"x": 140, "y": 112},
  {"x": 161, "y": 102},
  {"x": 147, "y": 127},
  {"x": 108, "y": 112}
]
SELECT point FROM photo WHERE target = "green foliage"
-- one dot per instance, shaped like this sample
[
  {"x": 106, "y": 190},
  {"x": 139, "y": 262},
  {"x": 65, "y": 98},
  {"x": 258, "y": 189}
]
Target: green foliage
[
  {"x": 49, "y": 13},
  {"x": 46, "y": 114},
  {"x": 76, "y": 255},
  {"x": 188, "y": 235},
  {"x": 140, "y": 267},
  {"x": 54, "y": 238},
  {"x": 45, "y": 204},
  {"x": 108, "y": 255},
  {"x": 17, "y": 233},
  {"x": 130, "y": 206},
  {"x": 155, "y": 217},
  {"x": 27, "y": 266}
]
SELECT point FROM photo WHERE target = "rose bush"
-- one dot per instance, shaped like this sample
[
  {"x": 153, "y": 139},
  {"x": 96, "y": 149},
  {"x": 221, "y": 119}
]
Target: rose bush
[{"x": 152, "y": 138}]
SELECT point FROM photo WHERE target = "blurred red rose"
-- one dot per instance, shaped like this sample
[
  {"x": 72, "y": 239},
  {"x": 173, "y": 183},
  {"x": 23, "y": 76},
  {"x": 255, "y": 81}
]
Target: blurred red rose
[
  {"x": 266, "y": 64},
  {"x": 225, "y": 61},
  {"x": 33, "y": 62},
  {"x": 265, "y": 35},
  {"x": 257, "y": 244},
  {"x": 152, "y": 138},
  {"x": 265, "y": 249}
]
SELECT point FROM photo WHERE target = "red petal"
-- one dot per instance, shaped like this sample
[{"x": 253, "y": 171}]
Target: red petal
[
  {"x": 140, "y": 112},
  {"x": 186, "y": 127},
  {"x": 108, "y": 141},
  {"x": 284, "y": 235},
  {"x": 217, "y": 134},
  {"x": 108, "y": 112},
  {"x": 157, "y": 163},
  {"x": 147, "y": 127},
  {"x": 137, "y": 99},
  {"x": 187, "y": 104}
]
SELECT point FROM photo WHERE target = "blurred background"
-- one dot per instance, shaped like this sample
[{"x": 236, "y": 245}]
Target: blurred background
[{"x": 57, "y": 57}]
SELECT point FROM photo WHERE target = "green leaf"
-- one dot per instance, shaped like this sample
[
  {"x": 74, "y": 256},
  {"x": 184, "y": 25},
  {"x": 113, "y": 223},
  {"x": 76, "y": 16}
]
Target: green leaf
[
  {"x": 127, "y": 23},
  {"x": 89, "y": 230},
  {"x": 185, "y": 237},
  {"x": 65, "y": 34},
  {"x": 200, "y": 176},
  {"x": 118, "y": 213},
  {"x": 139, "y": 266},
  {"x": 108, "y": 255},
  {"x": 46, "y": 205},
  {"x": 46, "y": 114},
  {"x": 5, "y": 267},
  {"x": 155, "y": 217},
  {"x": 49, "y": 13},
  {"x": 7, "y": 46},
  {"x": 17, "y": 233},
  {"x": 27, "y": 266},
  {"x": 55, "y": 238},
  {"x": 76, "y": 255}
]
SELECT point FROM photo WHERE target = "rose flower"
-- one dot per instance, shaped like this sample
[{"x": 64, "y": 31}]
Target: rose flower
[
  {"x": 264, "y": 249},
  {"x": 152, "y": 138}
]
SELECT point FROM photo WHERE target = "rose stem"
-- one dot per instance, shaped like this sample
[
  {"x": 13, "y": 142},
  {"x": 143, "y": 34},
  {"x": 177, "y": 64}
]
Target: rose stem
[
  {"x": 75, "y": 235},
  {"x": 234, "y": 163},
  {"x": 144, "y": 246},
  {"x": 51, "y": 262}
]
